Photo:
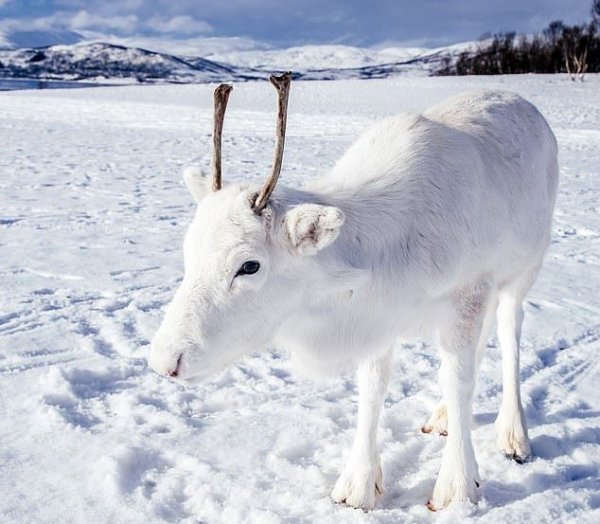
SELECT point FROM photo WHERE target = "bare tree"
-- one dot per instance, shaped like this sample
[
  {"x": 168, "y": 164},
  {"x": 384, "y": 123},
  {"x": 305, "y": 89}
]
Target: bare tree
[
  {"x": 559, "y": 48},
  {"x": 575, "y": 42}
]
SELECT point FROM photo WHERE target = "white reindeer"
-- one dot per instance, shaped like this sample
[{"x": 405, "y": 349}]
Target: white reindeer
[{"x": 436, "y": 220}]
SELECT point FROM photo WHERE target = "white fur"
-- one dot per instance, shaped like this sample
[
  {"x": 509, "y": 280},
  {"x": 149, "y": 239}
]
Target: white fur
[
  {"x": 311, "y": 227},
  {"x": 197, "y": 182},
  {"x": 430, "y": 220}
]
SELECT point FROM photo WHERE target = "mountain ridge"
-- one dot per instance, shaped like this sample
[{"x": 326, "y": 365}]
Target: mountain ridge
[{"x": 102, "y": 61}]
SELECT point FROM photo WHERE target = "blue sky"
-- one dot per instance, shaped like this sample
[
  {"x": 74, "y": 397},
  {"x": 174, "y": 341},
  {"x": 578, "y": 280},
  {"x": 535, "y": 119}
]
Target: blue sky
[{"x": 283, "y": 23}]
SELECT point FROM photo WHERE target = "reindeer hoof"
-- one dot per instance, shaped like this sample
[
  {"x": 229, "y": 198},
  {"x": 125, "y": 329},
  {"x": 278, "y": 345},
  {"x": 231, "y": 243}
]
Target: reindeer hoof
[
  {"x": 438, "y": 422},
  {"x": 519, "y": 459},
  {"x": 428, "y": 429},
  {"x": 431, "y": 507},
  {"x": 359, "y": 486}
]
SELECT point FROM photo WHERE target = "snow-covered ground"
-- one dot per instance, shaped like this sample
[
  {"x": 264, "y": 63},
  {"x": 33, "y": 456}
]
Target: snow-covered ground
[{"x": 91, "y": 221}]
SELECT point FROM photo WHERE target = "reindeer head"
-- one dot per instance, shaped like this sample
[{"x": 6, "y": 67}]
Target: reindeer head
[{"x": 248, "y": 261}]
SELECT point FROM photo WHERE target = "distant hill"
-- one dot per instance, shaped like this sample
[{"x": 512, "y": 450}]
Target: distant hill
[
  {"x": 314, "y": 57},
  {"x": 99, "y": 61}
]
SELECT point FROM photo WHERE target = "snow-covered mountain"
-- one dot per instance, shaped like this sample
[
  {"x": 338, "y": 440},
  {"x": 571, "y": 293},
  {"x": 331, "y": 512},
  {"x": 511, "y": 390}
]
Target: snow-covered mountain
[
  {"x": 315, "y": 57},
  {"x": 104, "y": 61},
  {"x": 329, "y": 62}
]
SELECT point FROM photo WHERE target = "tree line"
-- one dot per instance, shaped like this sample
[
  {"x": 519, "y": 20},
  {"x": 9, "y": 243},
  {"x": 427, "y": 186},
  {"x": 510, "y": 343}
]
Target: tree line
[{"x": 560, "y": 48}]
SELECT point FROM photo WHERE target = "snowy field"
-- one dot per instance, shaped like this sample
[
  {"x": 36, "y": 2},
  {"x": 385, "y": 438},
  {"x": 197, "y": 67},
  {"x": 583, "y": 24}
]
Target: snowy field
[{"x": 92, "y": 216}]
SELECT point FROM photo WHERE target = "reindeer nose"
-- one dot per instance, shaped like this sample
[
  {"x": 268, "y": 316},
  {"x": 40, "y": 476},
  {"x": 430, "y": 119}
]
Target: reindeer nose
[{"x": 175, "y": 372}]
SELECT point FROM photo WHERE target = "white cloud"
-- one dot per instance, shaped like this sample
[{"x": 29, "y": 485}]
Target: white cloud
[
  {"x": 180, "y": 27},
  {"x": 184, "y": 24},
  {"x": 63, "y": 27},
  {"x": 72, "y": 21},
  {"x": 84, "y": 20}
]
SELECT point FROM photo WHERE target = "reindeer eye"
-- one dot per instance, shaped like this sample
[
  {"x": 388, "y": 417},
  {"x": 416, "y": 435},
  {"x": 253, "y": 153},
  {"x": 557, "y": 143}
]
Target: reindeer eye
[{"x": 248, "y": 268}]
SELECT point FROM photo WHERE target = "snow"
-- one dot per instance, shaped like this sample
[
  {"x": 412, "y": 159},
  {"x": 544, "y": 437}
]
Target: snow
[{"x": 93, "y": 214}]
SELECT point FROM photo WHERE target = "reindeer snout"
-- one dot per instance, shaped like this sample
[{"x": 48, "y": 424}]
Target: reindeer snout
[
  {"x": 166, "y": 365},
  {"x": 174, "y": 372},
  {"x": 165, "y": 360}
]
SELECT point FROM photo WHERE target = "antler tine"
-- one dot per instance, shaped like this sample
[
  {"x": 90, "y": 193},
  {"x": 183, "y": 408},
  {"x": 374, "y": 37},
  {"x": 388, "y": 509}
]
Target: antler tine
[
  {"x": 220, "y": 102},
  {"x": 282, "y": 84}
]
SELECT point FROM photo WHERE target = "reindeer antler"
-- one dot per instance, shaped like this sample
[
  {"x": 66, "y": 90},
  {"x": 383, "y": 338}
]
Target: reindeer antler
[
  {"x": 220, "y": 102},
  {"x": 282, "y": 84}
]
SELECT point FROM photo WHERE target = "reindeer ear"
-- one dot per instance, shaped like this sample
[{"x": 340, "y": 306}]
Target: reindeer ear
[
  {"x": 312, "y": 227},
  {"x": 197, "y": 182}
]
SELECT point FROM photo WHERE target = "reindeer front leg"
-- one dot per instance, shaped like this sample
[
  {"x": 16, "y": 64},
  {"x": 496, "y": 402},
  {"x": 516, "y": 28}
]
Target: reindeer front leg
[
  {"x": 458, "y": 478},
  {"x": 361, "y": 480}
]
